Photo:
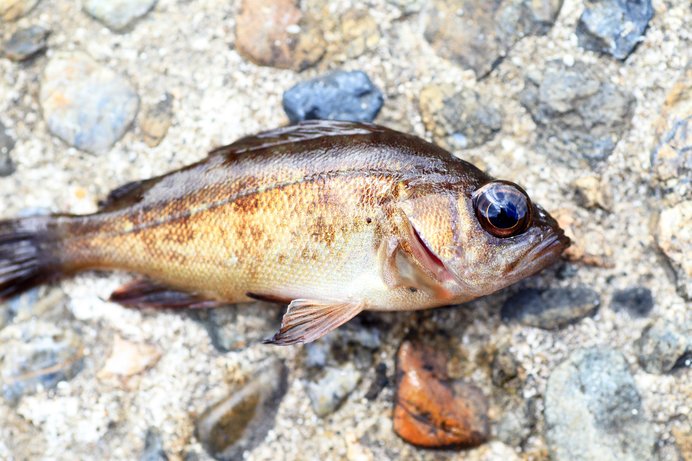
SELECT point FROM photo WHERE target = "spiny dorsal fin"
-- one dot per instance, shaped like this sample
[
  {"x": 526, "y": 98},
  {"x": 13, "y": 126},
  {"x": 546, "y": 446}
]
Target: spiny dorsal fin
[{"x": 307, "y": 320}]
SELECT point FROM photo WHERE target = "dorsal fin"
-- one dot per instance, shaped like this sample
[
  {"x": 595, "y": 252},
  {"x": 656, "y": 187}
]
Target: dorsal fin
[
  {"x": 304, "y": 131},
  {"x": 126, "y": 195}
]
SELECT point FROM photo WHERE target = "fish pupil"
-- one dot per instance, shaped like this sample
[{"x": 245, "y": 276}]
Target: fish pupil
[{"x": 503, "y": 216}]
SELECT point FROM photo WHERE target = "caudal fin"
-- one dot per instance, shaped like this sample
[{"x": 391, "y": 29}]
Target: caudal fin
[{"x": 28, "y": 254}]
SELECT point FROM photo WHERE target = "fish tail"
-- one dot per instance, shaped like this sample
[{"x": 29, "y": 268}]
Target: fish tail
[{"x": 29, "y": 253}]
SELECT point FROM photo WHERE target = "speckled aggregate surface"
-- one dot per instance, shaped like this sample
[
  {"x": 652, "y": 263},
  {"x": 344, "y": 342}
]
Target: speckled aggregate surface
[{"x": 186, "y": 48}]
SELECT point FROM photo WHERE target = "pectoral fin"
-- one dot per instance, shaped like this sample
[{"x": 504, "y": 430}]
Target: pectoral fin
[
  {"x": 306, "y": 320},
  {"x": 143, "y": 293}
]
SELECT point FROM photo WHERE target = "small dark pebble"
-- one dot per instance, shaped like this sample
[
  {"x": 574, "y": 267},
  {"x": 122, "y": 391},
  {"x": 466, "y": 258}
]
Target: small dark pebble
[
  {"x": 614, "y": 27},
  {"x": 504, "y": 367},
  {"x": 662, "y": 345},
  {"x": 380, "y": 382},
  {"x": 153, "y": 447},
  {"x": 6, "y": 145},
  {"x": 340, "y": 95},
  {"x": 26, "y": 43},
  {"x": 242, "y": 420},
  {"x": 638, "y": 301},
  {"x": 550, "y": 309}
]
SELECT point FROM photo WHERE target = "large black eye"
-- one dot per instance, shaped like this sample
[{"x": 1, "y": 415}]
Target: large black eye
[{"x": 502, "y": 208}]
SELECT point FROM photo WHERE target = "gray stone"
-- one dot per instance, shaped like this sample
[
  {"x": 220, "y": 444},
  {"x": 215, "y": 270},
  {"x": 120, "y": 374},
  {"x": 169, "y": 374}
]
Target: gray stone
[
  {"x": 330, "y": 391},
  {"x": 240, "y": 422},
  {"x": 580, "y": 116},
  {"x": 234, "y": 328},
  {"x": 353, "y": 342},
  {"x": 26, "y": 43},
  {"x": 638, "y": 301},
  {"x": 516, "y": 423},
  {"x": 118, "y": 15},
  {"x": 11, "y": 10},
  {"x": 674, "y": 239},
  {"x": 614, "y": 27},
  {"x": 37, "y": 355},
  {"x": 6, "y": 145},
  {"x": 153, "y": 447},
  {"x": 86, "y": 104},
  {"x": 504, "y": 367},
  {"x": 478, "y": 34},
  {"x": 458, "y": 119},
  {"x": 662, "y": 344},
  {"x": 156, "y": 120},
  {"x": 593, "y": 410},
  {"x": 340, "y": 95},
  {"x": 550, "y": 309}
]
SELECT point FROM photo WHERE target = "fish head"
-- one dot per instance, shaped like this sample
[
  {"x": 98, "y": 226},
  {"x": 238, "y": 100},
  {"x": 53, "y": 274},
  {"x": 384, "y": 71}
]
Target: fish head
[{"x": 485, "y": 236}]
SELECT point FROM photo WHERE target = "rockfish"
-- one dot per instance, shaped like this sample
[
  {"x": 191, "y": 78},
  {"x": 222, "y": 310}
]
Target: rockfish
[{"x": 331, "y": 218}]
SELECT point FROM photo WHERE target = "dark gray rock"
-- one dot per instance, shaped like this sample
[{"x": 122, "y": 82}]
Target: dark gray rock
[
  {"x": 153, "y": 447},
  {"x": 458, "y": 119},
  {"x": 480, "y": 37},
  {"x": 340, "y": 95},
  {"x": 240, "y": 422},
  {"x": 118, "y": 15},
  {"x": 662, "y": 345},
  {"x": 26, "y": 43},
  {"x": 593, "y": 410},
  {"x": 6, "y": 145},
  {"x": 37, "y": 355},
  {"x": 87, "y": 105},
  {"x": 614, "y": 27},
  {"x": 550, "y": 309},
  {"x": 638, "y": 301},
  {"x": 331, "y": 389},
  {"x": 580, "y": 115},
  {"x": 379, "y": 382},
  {"x": 234, "y": 328}
]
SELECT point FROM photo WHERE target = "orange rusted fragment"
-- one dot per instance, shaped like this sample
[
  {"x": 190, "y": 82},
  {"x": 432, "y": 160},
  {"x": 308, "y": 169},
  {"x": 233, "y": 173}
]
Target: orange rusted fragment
[{"x": 432, "y": 410}]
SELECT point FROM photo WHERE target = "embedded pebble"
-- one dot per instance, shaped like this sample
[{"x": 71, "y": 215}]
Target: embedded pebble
[
  {"x": 11, "y": 10},
  {"x": 233, "y": 328},
  {"x": 359, "y": 31},
  {"x": 26, "y": 43},
  {"x": 593, "y": 410},
  {"x": 614, "y": 27},
  {"x": 276, "y": 33},
  {"x": 408, "y": 6},
  {"x": 241, "y": 421},
  {"x": 340, "y": 95},
  {"x": 86, "y": 104},
  {"x": 484, "y": 32},
  {"x": 662, "y": 344},
  {"x": 37, "y": 355},
  {"x": 516, "y": 423},
  {"x": 156, "y": 120},
  {"x": 581, "y": 116},
  {"x": 504, "y": 367},
  {"x": 593, "y": 192},
  {"x": 674, "y": 238},
  {"x": 638, "y": 301},
  {"x": 331, "y": 390},
  {"x": 153, "y": 447},
  {"x": 550, "y": 309},
  {"x": 127, "y": 359},
  {"x": 431, "y": 409},
  {"x": 458, "y": 119},
  {"x": 379, "y": 382},
  {"x": 118, "y": 15},
  {"x": 671, "y": 158},
  {"x": 6, "y": 145}
]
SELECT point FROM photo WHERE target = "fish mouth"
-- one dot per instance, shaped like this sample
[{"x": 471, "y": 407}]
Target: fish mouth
[{"x": 547, "y": 252}]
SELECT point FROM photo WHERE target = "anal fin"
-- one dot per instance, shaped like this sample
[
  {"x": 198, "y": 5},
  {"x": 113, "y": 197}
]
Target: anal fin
[
  {"x": 143, "y": 293},
  {"x": 306, "y": 320}
]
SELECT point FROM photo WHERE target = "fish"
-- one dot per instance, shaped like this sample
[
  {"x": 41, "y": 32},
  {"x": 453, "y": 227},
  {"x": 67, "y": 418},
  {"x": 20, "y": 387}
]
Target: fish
[{"x": 331, "y": 218}]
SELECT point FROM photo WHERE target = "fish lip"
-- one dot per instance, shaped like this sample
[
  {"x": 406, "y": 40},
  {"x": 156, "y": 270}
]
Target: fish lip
[{"x": 550, "y": 249}]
